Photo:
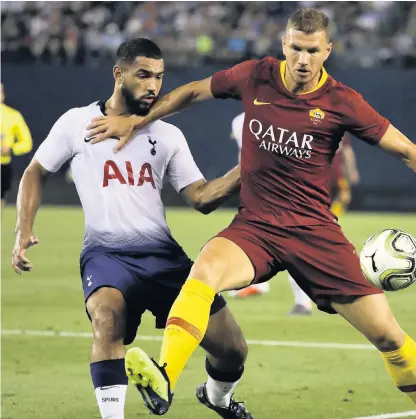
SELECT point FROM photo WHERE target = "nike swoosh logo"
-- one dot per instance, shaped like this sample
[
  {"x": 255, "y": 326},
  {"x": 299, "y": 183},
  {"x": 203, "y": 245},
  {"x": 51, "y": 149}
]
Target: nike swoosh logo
[
  {"x": 87, "y": 140},
  {"x": 108, "y": 387},
  {"x": 256, "y": 102}
]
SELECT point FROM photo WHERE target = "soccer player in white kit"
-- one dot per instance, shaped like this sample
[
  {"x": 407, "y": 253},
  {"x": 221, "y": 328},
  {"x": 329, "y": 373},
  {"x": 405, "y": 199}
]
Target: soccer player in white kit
[
  {"x": 130, "y": 262},
  {"x": 303, "y": 304}
]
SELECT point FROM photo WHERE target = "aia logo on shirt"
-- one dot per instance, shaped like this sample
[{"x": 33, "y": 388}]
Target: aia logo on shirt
[{"x": 112, "y": 172}]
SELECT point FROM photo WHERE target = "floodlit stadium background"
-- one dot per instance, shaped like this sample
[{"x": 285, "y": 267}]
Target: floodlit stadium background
[{"x": 57, "y": 55}]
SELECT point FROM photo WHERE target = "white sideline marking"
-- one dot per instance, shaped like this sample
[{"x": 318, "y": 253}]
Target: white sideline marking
[
  {"x": 323, "y": 345},
  {"x": 411, "y": 413}
]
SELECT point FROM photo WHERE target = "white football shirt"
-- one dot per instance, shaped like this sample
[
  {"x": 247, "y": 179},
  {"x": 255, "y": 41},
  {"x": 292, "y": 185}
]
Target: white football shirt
[{"x": 121, "y": 193}]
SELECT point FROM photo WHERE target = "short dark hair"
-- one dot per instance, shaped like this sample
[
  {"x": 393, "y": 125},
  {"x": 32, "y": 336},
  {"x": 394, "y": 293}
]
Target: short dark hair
[
  {"x": 138, "y": 47},
  {"x": 309, "y": 21}
]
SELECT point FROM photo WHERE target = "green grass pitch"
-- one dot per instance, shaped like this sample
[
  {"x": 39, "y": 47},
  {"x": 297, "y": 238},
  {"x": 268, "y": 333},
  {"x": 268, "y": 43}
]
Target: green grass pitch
[{"x": 48, "y": 377}]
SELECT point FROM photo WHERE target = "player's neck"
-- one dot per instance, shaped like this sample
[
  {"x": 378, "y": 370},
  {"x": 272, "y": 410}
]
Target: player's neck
[
  {"x": 299, "y": 89},
  {"x": 116, "y": 105}
]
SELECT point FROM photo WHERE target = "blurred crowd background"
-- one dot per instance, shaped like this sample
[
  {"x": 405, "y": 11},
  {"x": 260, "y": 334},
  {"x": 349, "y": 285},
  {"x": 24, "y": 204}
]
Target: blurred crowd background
[{"x": 64, "y": 33}]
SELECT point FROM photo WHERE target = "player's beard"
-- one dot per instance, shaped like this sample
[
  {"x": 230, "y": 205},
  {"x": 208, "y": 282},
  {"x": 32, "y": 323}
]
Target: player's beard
[{"x": 135, "y": 106}]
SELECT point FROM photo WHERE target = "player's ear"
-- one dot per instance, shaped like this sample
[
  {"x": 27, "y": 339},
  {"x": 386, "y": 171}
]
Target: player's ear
[
  {"x": 328, "y": 50},
  {"x": 117, "y": 74}
]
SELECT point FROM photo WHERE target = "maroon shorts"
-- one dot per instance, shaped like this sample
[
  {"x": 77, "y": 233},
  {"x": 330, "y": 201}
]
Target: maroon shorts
[{"x": 319, "y": 257}]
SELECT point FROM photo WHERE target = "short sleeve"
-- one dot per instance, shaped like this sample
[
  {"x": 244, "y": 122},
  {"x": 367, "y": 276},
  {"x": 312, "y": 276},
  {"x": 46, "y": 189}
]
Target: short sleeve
[
  {"x": 182, "y": 169},
  {"x": 57, "y": 148},
  {"x": 363, "y": 121},
  {"x": 237, "y": 129},
  {"x": 232, "y": 82}
]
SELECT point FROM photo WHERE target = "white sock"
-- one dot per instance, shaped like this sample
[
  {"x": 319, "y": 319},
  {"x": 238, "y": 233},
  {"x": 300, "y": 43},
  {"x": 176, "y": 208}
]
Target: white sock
[
  {"x": 301, "y": 297},
  {"x": 111, "y": 400},
  {"x": 219, "y": 392}
]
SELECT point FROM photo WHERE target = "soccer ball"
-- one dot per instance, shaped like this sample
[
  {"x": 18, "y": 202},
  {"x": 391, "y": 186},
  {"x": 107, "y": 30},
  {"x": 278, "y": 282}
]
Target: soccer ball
[{"x": 388, "y": 260}]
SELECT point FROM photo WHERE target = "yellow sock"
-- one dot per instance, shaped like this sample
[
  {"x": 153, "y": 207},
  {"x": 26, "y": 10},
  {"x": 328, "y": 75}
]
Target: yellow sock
[
  {"x": 401, "y": 365},
  {"x": 337, "y": 208},
  {"x": 186, "y": 326}
]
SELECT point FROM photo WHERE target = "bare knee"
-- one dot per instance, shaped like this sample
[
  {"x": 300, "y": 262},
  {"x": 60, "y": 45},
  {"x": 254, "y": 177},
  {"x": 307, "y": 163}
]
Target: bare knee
[
  {"x": 236, "y": 353},
  {"x": 228, "y": 355},
  {"x": 208, "y": 270},
  {"x": 372, "y": 316},
  {"x": 389, "y": 341},
  {"x": 106, "y": 308},
  {"x": 387, "y": 336}
]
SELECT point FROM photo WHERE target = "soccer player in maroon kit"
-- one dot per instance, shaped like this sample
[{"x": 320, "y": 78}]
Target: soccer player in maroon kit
[{"x": 296, "y": 115}]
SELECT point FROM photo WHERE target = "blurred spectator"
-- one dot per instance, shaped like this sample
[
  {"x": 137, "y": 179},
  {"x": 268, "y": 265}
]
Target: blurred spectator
[{"x": 72, "y": 32}]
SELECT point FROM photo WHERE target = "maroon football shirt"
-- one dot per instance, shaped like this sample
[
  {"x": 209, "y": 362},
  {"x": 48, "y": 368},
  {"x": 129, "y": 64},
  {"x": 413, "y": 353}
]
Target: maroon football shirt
[{"x": 289, "y": 140}]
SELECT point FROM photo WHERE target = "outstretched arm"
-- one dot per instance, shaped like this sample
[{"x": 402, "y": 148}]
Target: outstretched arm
[
  {"x": 224, "y": 84},
  {"x": 366, "y": 123},
  {"x": 177, "y": 100},
  {"x": 207, "y": 196},
  {"x": 28, "y": 201},
  {"x": 397, "y": 144}
]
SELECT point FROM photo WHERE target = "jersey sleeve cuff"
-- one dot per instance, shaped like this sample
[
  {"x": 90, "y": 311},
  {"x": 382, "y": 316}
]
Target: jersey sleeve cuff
[
  {"x": 219, "y": 85},
  {"x": 380, "y": 135},
  {"x": 183, "y": 185},
  {"x": 46, "y": 165}
]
